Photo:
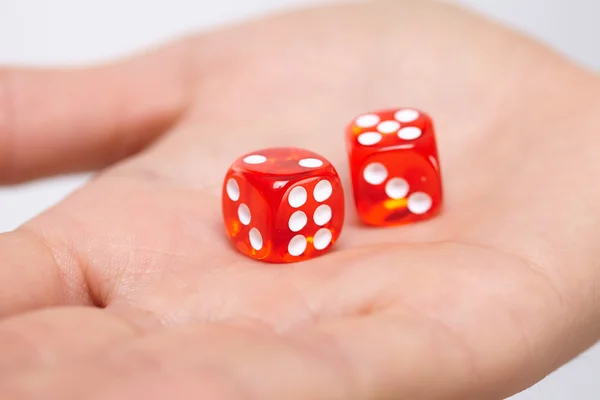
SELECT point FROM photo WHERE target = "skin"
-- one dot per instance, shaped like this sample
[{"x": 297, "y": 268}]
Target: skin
[{"x": 129, "y": 288}]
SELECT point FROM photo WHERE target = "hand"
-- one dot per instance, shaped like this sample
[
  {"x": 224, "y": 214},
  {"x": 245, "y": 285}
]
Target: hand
[{"x": 129, "y": 289}]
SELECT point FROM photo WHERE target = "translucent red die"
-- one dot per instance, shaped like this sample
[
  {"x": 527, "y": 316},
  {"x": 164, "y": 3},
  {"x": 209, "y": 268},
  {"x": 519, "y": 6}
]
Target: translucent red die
[
  {"x": 394, "y": 166},
  {"x": 283, "y": 205}
]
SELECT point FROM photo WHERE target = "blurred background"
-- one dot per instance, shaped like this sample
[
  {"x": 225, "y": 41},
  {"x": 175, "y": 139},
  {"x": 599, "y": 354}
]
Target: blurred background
[{"x": 41, "y": 32}]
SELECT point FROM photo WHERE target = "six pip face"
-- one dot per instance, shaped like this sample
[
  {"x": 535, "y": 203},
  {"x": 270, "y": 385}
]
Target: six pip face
[{"x": 284, "y": 205}]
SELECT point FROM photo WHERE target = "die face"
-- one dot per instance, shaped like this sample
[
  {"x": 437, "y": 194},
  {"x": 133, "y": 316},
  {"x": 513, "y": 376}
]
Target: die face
[
  {"x": 310, "y": 218},
  {"x": 394, "y": 166},
  {"x": 403, "y": 128},
  {"x": 281, "y": 163},
  {"x": 396, "y": 187},
  {"x": 246, "y": 216},
  {"x": 284, "y": 189}
]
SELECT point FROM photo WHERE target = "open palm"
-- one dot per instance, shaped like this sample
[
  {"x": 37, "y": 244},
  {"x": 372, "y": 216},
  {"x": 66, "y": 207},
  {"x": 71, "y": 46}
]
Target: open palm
[{"x": 478, "y": 303}]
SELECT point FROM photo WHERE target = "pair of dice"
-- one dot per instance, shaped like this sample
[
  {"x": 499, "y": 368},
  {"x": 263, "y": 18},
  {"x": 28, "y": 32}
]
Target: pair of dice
[{"x": 286, "y": 205}]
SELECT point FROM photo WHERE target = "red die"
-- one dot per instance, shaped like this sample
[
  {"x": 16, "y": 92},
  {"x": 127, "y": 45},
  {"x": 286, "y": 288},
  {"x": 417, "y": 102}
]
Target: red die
[
  {"x": 394, "y": 167},
  {"x": 283, "y": 205}
]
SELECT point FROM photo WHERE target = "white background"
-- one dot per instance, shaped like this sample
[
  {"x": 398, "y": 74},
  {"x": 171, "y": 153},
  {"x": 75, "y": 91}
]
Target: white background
[{"x": 75, "y": 31}]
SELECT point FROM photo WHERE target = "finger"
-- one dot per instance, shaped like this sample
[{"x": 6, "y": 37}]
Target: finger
[
  {"x": 49, "y": 338},
  {"x": 61, "y": 120},
  {"x": 31, "y": 277}
]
